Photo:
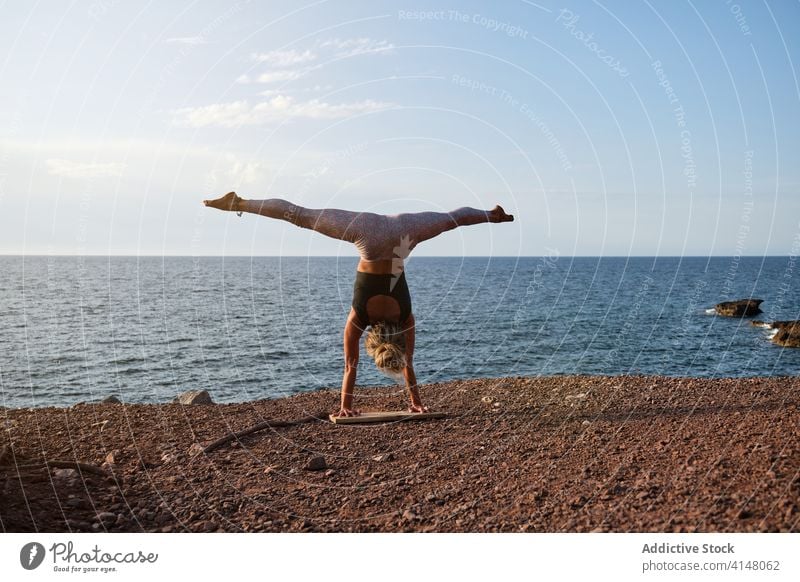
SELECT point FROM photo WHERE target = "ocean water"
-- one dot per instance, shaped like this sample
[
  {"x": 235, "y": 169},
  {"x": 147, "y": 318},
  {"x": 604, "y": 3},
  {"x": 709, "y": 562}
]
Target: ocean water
[{"x": 147, "y": 328}]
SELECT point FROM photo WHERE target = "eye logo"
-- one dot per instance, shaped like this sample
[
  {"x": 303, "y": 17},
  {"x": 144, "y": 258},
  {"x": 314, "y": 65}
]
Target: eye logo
[{"x": 31, "y": 555}]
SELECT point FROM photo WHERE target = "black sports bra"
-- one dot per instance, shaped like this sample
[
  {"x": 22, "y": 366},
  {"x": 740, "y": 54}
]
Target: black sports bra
[{"x": 368, "y": 285}]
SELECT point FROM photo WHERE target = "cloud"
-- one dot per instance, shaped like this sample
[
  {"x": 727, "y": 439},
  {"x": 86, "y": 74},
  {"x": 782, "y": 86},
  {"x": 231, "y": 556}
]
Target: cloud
[
  {"x": 235, "y": 172},
  {"x": 279, "y": 108},
  {"x": 349, "y": 47},
  {"x": 70, "y": 169},
  {"x": 283, "y": 91},
  {"x": 274, "y": 76},
  {"x": 288, "y": 58},
  {"x": 190, "y": 40},
  {"x": 284, "y": 63}
]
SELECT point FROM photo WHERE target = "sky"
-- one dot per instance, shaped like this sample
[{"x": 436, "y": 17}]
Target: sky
[{"x": 606, "y": 128}]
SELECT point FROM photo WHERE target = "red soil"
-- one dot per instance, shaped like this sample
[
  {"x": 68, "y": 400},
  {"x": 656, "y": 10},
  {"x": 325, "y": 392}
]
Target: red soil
[{"x": 517, "y": 454}]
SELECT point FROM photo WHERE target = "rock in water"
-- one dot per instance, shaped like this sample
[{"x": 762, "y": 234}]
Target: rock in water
[
  {"x": 111, "y": 400},
  {"x": 788, "y": 334},
  {"x": 740, "y": 308},
  {"x": 194, "y": 397}
]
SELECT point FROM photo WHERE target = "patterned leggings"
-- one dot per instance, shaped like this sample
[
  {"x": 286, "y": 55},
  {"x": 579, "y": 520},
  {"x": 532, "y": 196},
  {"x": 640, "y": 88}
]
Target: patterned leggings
[{"x": 377, "y": 236}]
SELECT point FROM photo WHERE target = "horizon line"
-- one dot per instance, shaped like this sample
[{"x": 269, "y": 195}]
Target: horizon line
[{"x": 412, "y": 257}]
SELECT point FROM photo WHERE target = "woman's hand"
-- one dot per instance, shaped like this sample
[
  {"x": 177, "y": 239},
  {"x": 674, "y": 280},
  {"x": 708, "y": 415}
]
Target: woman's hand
[{"x": 347, "y": 412}]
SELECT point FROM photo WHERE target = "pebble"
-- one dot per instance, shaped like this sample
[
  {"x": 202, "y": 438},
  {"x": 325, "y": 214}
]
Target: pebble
[
  {"x": 78, "y": 503},
  {"x": 65, "y": 473},
  {"x": 206, "y": 526},
  {"x": 106, "y": 517},
  {"x": 410, "y": 515},
  {"x": 168, "y": 457},
  {"x": 77, "y": 525},
  {"x": 317, "y": 463},
  {"x": 579, "y": 396}
]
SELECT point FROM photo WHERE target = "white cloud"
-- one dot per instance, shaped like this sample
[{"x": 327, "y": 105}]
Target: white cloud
[
  {"x": 288, "y": 58},
  {"x": 283, "y": 64},
  {"x": 235, "y": 172},
  {"x": 349, "y": 47},
  {"x": 279, "y": 108},
  {"x": 190, "y": 40},
  {"x": 277, "y": 76},
  {"x": 284, "y": 91},
  {"x": 71, "y": 169},
  {"x": 273, "y": 76}
]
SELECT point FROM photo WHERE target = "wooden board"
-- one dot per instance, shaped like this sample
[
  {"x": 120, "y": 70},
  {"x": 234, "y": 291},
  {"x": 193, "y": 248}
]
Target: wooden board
[{"x": 391, "y": 416}]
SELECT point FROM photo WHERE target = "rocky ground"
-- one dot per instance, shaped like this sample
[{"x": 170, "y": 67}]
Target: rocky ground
[{"x": 573, "y": 454}]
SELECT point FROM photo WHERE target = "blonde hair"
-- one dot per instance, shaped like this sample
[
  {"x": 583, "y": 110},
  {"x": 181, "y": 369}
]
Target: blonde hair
[{"x": 386, "y": 343}]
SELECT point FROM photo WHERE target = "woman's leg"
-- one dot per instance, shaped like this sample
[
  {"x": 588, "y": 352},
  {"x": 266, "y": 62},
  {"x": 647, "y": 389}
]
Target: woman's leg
[
  {"x": 421, "y": 226},
  {"x": 332, "y": 222}
]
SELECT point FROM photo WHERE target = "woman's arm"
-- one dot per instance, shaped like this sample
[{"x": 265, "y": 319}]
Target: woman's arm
[
  {"x": 408, "y": 371},
  {"x": 352, "y": 335}
]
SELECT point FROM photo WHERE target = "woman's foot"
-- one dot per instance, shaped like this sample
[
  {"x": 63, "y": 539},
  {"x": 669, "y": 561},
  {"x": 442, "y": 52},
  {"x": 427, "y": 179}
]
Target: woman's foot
[
  {"x": 228, "y": 202},
  {"x": 497, "y": 214}
]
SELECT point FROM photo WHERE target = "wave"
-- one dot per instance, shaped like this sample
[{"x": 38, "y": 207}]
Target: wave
[{"x": 128, "y": 360}]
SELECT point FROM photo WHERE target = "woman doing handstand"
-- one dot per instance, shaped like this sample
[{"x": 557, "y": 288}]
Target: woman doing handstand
[{"x": 381, "y": 300}]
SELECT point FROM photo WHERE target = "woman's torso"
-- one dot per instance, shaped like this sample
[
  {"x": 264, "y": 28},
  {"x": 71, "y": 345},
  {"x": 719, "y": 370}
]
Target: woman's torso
[{"x": 380, "y": 291}]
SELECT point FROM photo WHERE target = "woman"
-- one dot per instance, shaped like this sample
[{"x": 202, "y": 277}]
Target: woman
[{"x": 381, "y": 300}]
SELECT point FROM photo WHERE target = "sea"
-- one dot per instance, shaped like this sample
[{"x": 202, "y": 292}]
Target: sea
[{"x": 77, "y": 329}]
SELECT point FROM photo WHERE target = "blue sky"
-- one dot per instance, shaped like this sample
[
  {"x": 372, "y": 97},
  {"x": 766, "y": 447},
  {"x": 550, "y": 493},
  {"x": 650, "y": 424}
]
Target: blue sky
[{"x": 654, "y": 128}]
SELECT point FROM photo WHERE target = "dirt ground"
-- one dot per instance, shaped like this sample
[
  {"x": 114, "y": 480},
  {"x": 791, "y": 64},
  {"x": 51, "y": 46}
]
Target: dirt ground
[{"x": 549, "y": 454}]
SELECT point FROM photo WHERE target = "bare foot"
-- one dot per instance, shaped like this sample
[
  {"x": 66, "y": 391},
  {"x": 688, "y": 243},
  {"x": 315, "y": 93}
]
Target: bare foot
[
  {"x": 418, "y": 408},
  {"x": 497, "y": 214},
  {"x": 228, "y": 202}
]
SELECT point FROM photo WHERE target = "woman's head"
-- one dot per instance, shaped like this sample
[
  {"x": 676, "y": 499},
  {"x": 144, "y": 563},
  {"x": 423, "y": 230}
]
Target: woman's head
[{"x": 385, "y": 343}]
